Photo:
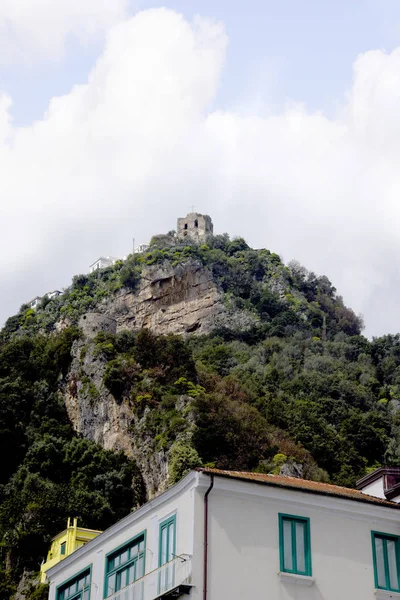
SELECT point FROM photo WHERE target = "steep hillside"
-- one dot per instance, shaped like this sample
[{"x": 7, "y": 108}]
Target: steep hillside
[
  {"x": 178, "y": 288},
  {"x": 184, "y": 355}
]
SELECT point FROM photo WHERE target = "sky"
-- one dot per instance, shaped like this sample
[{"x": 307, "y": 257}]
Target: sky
[{"x": 279, "y": 119}]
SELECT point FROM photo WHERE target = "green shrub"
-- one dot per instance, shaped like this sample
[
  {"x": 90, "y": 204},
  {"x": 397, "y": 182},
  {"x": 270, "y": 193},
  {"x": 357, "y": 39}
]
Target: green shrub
[{"x": 182, "y": 458}]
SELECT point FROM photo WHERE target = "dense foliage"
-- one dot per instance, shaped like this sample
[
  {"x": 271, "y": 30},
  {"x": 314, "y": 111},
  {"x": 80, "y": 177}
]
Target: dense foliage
[
  {"x": 298, "y": 387},
  {"x": 329, "y": 405},
  {"x": 48, "y": 473}
]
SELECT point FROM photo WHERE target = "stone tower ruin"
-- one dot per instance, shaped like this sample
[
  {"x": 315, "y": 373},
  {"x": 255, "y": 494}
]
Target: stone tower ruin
[{"x": 195, "y": 226}]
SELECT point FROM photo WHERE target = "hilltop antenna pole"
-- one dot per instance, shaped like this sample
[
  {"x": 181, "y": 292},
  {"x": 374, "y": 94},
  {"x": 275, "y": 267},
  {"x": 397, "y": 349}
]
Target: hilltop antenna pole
[{"x": 133, "y": 246}]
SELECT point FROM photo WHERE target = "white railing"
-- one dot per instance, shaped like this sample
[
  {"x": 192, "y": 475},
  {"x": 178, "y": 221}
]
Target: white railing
[{"x": 156, "y": 583}]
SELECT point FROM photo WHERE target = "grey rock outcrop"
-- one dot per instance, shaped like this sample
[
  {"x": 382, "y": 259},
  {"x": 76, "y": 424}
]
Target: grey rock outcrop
[
  {"x": 91, "y": 408},
  {"x": 29, "y": 580},
  {"x": 182, "y": 299},
  {"x": 98, "y": 416},
  {"x": 163, "y": 241},
  {"x": 92, "y": 323},
  {"x": 292, "y": 469}
]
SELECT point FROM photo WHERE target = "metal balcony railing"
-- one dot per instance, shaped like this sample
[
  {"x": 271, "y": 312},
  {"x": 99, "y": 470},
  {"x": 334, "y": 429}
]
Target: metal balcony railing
[{"x": 170, "y": 580}]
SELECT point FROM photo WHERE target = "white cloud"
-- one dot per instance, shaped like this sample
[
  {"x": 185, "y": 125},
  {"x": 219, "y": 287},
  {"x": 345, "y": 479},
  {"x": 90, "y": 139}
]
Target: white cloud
[
  {"x": 127, "y": 153},
  {"x": 31, "y": 29}
]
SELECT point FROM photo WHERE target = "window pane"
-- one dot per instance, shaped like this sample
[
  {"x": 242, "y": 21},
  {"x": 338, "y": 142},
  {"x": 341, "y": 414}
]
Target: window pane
[
  {"x": 74, "y": 588},
  {"x": 163, "y": 545},
  {"x": 380, "y": 562},
  {"x": 140, "y": 567},
  {"x": 171, "y": 530},
  {"x": 124, "y": 557},
  {"x": 287, "y": 546},
  {"x": 135, "y": 550},
  {"x": 120, "y": 580},
  {"x": 130, "y": 574},
  {"x": 300, "y": 547},
  {"x": 111, "y": 585},
  {"x": 392, "y": 562}
]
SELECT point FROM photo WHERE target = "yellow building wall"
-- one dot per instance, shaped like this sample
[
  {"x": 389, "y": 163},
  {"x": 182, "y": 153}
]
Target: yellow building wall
[{"x": 70, "y": 539}]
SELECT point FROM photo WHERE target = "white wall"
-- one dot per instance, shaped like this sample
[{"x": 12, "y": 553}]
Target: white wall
[
  {"x": 375, "y": 489},
  {"x": 244, "y": 543},
  {"x": 35, "y": 303},
  {"x": 100, "y": 264},
  {"x": 155, "y": 512}
]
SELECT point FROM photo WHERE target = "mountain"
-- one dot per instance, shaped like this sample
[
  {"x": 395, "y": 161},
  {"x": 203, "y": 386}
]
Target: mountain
[{"x": 186, "y": 354}]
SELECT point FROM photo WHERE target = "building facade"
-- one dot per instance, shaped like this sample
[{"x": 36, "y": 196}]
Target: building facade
[
  {"x": 195, "y": 227},
  {"x": 53, "y": 294},
  {"x": 382, "y": 483},
  {"x": 34, "y": 303},
  {"x": 220, "y": 534},
  {"x": 65, "y": 543},
  {"x": 141, "y": 248},
  {"x": 102, "y": 263}
]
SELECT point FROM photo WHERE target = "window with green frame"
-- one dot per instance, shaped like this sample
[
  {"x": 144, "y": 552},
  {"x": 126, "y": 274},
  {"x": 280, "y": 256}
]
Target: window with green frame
[
  {"x": 125, "y": 565},
  {"x": 294, "y": 544},
  {"x": 77, "y": 588},
  {"x": 167, "y": 541},
  {"x": 167, "y": 552},
  {"x": 385, "y": 551}
]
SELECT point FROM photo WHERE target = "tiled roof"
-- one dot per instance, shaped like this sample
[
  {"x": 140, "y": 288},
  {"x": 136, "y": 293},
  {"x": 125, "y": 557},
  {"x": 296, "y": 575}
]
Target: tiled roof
[{"x": 302, "y": 485}]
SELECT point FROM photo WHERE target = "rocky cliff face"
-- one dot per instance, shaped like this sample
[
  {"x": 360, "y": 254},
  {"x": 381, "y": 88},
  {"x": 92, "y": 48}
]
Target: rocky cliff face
[
  {"x": 96, "y": 414},
  {"x": 115, "y": 425},
  {"x": 181, "y": 299}
]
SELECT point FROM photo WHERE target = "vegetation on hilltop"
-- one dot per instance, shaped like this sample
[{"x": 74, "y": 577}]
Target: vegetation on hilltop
[{"x": 284, "y": 299}]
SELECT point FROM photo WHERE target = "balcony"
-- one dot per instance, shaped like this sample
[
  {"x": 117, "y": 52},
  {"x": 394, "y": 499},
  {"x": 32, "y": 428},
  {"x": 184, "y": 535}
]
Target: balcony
[{"x": 172, "y": 580}]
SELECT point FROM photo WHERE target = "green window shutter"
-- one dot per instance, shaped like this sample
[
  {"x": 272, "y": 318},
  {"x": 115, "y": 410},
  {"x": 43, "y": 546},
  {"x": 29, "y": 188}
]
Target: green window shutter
[
  {"x": 386, "y": 559},
  {"x": 76, "y": 588},
  {"x": 166, "y": 553},
  {"x": 124, "y": 565},
  {"x": 167, "y": 544},
  {"x": 295, "y": 544}
]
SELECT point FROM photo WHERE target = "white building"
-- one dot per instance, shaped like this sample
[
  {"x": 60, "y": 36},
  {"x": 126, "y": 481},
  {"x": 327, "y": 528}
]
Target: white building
[
  {"x": 382, "y": 483},
  {"x": 220, "y": 535},
  {"x": 37, "y": 300},
  {"x": 53, "y": 294},
  {"x": 34, "y": 303},
  {"x": 141, "y": 248},
  {"x": 102, "y": 263}
]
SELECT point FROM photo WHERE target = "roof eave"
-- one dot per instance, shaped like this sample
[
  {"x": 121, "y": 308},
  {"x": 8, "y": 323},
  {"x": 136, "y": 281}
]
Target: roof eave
[{"x": 364, "y": 498}]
